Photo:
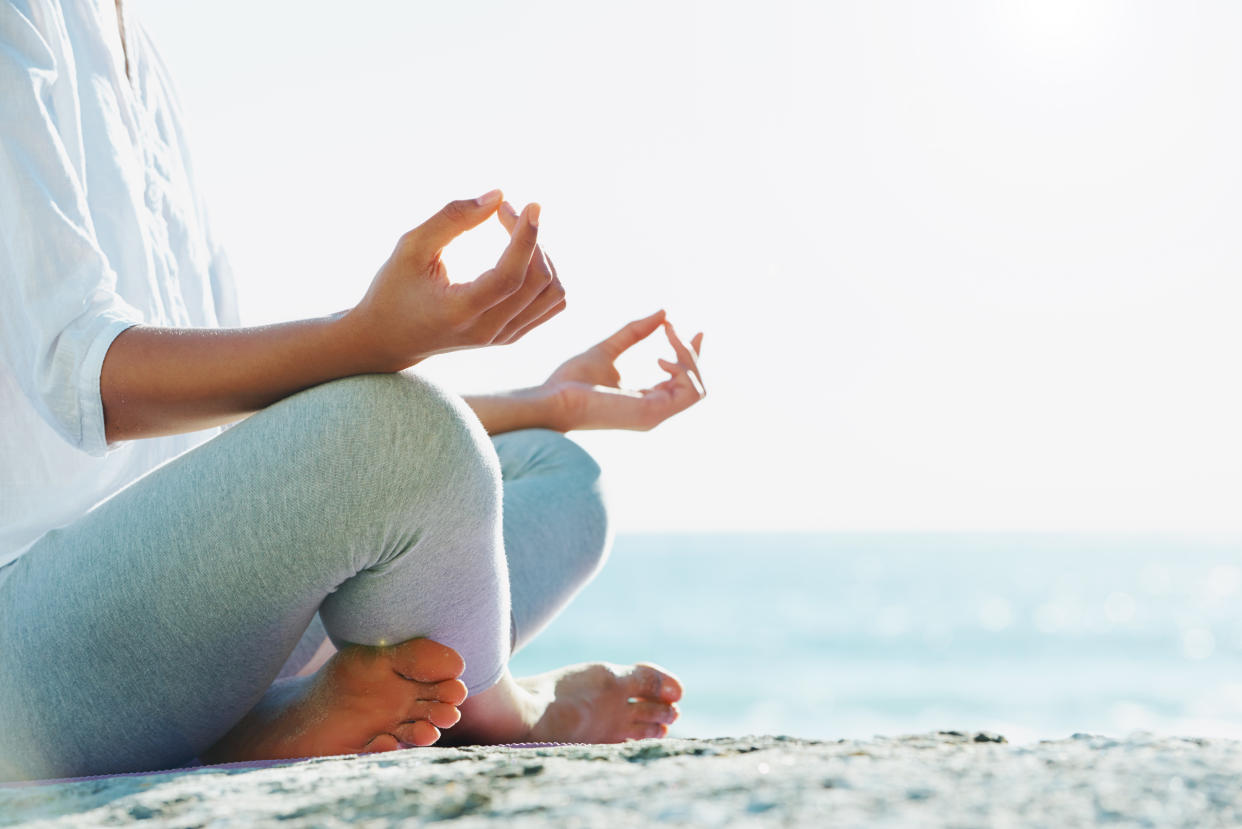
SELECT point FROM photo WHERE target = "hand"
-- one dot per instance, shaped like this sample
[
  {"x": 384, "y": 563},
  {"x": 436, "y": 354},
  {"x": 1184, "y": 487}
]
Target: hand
[
  {"x": 588, "y": 390},
  {"x": 412, "y": 311},
  {"x": 551, "y": 301}
]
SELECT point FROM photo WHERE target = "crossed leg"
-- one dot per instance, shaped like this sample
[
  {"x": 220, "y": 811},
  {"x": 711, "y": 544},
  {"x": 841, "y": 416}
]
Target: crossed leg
[
  {"x": 556, "y": 538},
  {"x": 138, "y": 636},
  {"x": 152, "y": 629}
]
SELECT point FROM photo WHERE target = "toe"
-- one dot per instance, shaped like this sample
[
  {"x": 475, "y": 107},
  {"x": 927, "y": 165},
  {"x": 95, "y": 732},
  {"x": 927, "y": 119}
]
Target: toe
[
  {"x": 381, "y": 742},
  {"x": 426, "y": 661},
  {"x": 647, "y": 681},
  {"x": 649, "y": 711},
  {"x": 439, "y": 714},
  {"x": 418, "y": 733},
  {"x": 646, "y": 731},
  {"x": 452, "y": 691}
]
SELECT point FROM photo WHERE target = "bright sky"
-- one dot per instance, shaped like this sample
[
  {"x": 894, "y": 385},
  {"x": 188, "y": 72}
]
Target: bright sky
[{"x": 961, "y": 265}]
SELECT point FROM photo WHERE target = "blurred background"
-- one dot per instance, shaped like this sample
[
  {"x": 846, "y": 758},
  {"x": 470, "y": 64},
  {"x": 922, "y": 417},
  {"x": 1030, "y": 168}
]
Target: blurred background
[{"x": 969, "y": 274}]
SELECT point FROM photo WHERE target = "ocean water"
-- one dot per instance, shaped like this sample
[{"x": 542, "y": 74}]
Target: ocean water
[{"x": 853, "y": 635}]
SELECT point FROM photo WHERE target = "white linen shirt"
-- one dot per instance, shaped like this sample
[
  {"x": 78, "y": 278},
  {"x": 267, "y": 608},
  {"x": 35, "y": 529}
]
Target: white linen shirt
[{"x": 101, "y": 228}]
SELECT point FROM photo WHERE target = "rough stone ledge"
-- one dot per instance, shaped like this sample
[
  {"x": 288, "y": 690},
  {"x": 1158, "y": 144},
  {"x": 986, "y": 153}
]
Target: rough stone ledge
[{"x": 950, "y": 778}]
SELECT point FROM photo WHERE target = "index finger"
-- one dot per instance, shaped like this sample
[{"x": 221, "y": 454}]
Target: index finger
[
  {"x": 509, "y": 274},
  {"x": 509, "y": 221},
  {"x": 508, "y": 216},
  {"x": 684, "y": 355}
]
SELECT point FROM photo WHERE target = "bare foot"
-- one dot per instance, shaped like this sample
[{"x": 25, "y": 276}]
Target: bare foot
[
  {"x": 363, "y": 700},
  {"x": 589, "y": 703},
  {"x": 601, "y": 703}
]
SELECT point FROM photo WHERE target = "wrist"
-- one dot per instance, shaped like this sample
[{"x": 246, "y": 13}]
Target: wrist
[
  {"x": 538, "y": 407},
  {"x": 541, "y": 407},
  {"x": 557, "y": 406},
  {"x": 354, "y": 340}
]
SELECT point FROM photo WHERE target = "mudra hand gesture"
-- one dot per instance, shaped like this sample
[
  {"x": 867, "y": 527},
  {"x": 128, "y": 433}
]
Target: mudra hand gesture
[
  {"x": 587, "y": 388},
  {"x": 413, "y": 311},
  {"x": 589, "y": 385}
]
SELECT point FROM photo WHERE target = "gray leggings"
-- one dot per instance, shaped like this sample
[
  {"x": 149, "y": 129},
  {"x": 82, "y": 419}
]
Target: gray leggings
[{"x": 135, "y": 637}]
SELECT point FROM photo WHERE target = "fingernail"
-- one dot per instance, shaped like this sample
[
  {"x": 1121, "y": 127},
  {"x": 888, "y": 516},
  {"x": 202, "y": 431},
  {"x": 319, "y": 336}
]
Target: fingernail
[
  {"x": 488, "y": 199},
  {"x": 532, "y": 214},
  {"x": 508, "y": 208}
]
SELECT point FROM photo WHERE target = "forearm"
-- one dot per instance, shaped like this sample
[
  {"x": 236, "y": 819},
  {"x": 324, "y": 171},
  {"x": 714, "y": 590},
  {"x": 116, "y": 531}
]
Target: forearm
[
  {"x": 533, "y": 408},
  {"x": 160, "y": 381}
]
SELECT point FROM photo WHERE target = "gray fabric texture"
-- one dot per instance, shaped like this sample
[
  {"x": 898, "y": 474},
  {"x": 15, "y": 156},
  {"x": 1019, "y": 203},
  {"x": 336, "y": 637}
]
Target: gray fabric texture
[{"x": 135, "y": 637}]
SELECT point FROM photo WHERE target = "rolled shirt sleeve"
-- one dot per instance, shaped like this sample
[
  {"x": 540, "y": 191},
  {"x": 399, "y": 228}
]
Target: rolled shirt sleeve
[{"x": 59, "y": 308}]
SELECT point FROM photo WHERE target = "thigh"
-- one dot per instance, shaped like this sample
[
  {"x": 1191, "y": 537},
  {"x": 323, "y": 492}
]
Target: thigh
[
  {"x": 114, "y": 629},
  {"x": 556, "y": 528},
  {"x": 135, "y": 637}
]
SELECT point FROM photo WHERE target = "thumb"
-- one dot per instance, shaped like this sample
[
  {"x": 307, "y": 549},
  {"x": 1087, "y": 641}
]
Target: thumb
[
  {"x": 454, "y": 218},
  {"x": 631, "y": 334}
]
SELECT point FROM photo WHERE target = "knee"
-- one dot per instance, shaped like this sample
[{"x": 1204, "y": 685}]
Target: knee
[
  {"x": 584, "y": 485},
  {"x": 540, "y": 453},
  {"x": 583, "y": 479},
  {"x": 565, "y": 476},
  {"x": 392, "y": 433}
]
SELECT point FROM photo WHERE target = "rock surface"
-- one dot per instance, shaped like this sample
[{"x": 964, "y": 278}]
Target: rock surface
[{"x": 945, "y": 779}]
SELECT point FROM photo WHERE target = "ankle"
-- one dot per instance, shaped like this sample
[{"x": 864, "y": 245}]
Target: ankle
[{"x": 504, "y": 713}]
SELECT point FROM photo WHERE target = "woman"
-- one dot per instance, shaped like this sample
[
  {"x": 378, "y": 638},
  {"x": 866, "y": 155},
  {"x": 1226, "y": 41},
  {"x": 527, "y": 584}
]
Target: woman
[{"x": 330, "y": 573}]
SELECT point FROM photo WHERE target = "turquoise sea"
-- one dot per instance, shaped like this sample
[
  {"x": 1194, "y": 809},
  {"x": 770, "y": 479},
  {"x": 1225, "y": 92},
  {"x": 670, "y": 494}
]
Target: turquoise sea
[{"x": 852, "y": 635}]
